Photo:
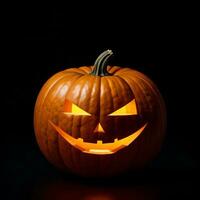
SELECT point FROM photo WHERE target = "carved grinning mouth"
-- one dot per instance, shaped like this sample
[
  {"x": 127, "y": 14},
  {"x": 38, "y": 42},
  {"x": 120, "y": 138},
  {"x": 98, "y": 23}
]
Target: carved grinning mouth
[{"x": 98, "y": 148}]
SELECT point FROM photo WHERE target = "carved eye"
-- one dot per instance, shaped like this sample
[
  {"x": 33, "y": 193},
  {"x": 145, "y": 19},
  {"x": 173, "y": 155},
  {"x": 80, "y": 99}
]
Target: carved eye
[
  {"x": 72, "y": 109},
  {"x": 128, "y": 109}
]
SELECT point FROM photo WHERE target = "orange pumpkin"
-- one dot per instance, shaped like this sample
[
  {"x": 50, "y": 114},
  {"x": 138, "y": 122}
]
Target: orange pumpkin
[{"x": 99, "y": 120}]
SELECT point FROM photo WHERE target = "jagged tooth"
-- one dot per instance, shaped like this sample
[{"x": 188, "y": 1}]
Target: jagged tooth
[{"x": 99, "y": 142}]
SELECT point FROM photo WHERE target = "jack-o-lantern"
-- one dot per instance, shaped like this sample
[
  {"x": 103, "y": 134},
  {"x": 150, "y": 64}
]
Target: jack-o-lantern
[{"x": 99, "y": 120}]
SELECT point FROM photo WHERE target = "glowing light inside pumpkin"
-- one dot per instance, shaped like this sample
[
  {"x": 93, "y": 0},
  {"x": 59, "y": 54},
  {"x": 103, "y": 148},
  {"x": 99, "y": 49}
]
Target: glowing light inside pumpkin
[
  {"x": 99, "y": 128},
  {"x": 75, "y": 110},
  {"x": 98, "y": 148},
  {"x": 128, "y": 109},
  {"x": 100, "y": 151}
]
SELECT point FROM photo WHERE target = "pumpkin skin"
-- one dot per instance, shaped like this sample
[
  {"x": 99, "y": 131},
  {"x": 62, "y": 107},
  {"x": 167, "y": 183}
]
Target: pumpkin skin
[{"x": 99, "y": 95}]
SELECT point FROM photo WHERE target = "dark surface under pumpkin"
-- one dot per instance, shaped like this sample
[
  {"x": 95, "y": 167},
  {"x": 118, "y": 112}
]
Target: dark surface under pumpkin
[{"x": 99, "y": 95}]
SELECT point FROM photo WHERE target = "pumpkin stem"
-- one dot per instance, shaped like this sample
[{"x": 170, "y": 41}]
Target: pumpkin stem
[{"x": 100, "y": 65}]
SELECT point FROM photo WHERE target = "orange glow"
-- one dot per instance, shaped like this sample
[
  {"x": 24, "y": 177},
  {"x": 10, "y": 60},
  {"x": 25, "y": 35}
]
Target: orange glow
[
  {"x": 75, "y": 110},
  {"x": 128, "y": 109},
  {"x": 98, "y": 148},
  {"x": 99, "y": 128},
  {"x": 100, "y": 151}
]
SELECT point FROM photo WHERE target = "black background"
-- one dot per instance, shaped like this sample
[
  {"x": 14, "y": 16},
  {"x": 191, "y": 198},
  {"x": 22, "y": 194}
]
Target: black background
[{"x": 44, "y": 41}]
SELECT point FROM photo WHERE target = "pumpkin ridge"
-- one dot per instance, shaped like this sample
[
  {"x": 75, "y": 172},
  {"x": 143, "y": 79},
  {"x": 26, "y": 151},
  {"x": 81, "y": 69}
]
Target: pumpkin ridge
[
  {"x": 42, "y": 98},
  {"x": 40, "y": 113},
  {"x": 86, "y": 69},
  {"x": 72, "y": 150},
  {"x": 49, "y": 116},
  {"x": 83, "y": 72},
  {"x": 113, "y": 69},
  {"x": 121, "y": 81},
  {"x": 160, "y": 102},
  {"x": 138, "y": 93},
  {"x": 94, "y": 86},
  {"x": 157, "y": 93},
  {"x": 81, "y": 117},
  {"x": 127, "y": 98},
  {"x": 143, "y": 91},
  {"x": 105, "y": 81},
  {"x": 59, "y": 139},
  {"x": 124, "y": 70},
  {"x": 74, "y": 70},
  {"x": 151, "y": 85},
  {"x": 74, "y": 119},
  {"x": 112, "y": 92},
  {"x": 149, "y": 82},
  {"x": 113, "y": 100},
  {"x": 49, "y": 95}
]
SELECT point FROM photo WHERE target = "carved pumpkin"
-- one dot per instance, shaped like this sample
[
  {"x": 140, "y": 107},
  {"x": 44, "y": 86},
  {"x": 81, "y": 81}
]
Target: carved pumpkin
[{"x": 99, "y": 120}]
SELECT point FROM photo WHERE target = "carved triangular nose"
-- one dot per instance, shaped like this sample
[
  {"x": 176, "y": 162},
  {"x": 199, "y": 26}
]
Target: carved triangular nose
[{"x": 99, "y": 128}]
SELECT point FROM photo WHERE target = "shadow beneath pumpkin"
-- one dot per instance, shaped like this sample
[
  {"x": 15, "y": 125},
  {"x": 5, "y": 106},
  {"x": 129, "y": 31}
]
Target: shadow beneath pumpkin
[
  {"x": 61, "y": 190},
  {"x": 28, "y": 175},
  {"x": 145, "y": 185}
]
